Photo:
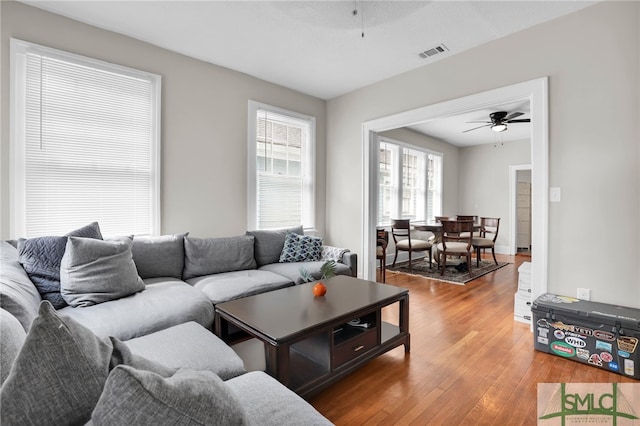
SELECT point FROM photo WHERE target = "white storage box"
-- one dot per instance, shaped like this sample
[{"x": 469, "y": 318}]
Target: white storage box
[{"x": 522, "y": 307}]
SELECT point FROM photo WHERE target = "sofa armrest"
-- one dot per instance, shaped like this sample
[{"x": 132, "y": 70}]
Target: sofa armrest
[{"x": 351, "y": 260}]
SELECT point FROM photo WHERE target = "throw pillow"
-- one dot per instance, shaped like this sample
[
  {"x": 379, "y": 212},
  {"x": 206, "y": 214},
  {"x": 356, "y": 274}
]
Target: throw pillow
[
  {"x": 60, "y": 371},
  {"x": 189, "y": 397},
  {"x": 269, "y": 243},
  {"x": 333, "y": 253},
  {"x": 301, "y": 248},
  {"x": 40, "y": 257},
  {"x": 96, "y": 271},
  {"x": 215, "y": 255},
  {"x": 159, "y": 256}
]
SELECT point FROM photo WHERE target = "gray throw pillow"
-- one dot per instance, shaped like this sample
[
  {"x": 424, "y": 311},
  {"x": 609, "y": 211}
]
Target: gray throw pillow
[
  {"x": 215, "y": 255},
  {"x": 189, "y": 397},
  {"x": 269, "y": 243},
  {"x": 13, "y": 336},
  {"x": 301, "y": 248},
  {"x": 96, "y": 271},
  {"x": 60, "y": 371},
  {"x": 40, "y": 257},
  {"x": 159, "y": 256}
]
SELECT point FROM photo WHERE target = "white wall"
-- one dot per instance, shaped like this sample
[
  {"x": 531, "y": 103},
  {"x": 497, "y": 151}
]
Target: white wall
[
  {"x": 204, "y": 121},
  {"x": 592, "y": 58},
  {"x": 484, "y": 182}
]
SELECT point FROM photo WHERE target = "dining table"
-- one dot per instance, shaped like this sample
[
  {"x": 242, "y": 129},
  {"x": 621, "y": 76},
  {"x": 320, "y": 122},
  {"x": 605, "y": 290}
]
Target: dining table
[{"x": 436, "y": 228}]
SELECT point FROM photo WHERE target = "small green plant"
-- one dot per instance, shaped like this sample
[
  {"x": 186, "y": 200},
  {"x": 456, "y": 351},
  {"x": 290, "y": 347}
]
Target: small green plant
[{"x": 327, "y": 270}]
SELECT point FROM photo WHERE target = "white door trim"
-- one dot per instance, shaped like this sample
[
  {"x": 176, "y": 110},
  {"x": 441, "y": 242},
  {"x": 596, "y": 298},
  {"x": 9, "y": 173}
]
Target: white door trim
[{"x": 513, "y": 214}]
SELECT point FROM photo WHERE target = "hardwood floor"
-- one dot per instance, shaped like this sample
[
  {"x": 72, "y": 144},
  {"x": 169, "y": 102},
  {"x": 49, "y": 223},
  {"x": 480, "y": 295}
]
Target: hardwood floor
[{"x": 470, "y": 362}]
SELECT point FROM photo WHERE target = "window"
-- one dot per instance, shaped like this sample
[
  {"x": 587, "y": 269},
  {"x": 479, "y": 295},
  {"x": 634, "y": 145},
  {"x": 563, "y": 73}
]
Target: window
[
  {"x": 410, "y": 183},
  {"x": 281, "y": 172},
  {"x": 85, "y": 141}
]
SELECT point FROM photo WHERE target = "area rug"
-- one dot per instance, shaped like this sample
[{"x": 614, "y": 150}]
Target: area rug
[{"x": 451, "y": 273}]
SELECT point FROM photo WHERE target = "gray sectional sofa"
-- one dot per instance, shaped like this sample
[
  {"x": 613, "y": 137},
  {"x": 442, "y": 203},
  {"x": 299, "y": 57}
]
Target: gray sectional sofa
[{"x": 155, "y": 342}]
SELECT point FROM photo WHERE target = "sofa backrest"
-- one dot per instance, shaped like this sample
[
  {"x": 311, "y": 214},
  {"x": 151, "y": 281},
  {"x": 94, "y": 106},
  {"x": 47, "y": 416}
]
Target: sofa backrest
[
  {"x": 18, "y": 295},
  {"x": 269, "y": 243}
]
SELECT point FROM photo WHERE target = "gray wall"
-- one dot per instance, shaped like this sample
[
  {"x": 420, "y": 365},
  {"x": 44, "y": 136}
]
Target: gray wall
[
  {"x": 484, "y": 182},
  {"x": 204, "y": 121},
  {"x": 592, "y": 59}
]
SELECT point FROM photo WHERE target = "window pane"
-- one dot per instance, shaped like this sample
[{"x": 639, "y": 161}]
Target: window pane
[
  {"x": 89, "y": 144},
  {"x": 283, "y": 199},
  {"x": 409, "y": 184}
]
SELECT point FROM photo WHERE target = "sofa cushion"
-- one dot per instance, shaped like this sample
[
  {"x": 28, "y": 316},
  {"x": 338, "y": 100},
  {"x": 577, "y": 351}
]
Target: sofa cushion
[
  {"x": 292, "y": 270},
  {"x": 234, "y": 285},
  {"x": 164, "y": 303},
  {"x": 18, "y": 295},
  {"x": 41, "y": 257},
  {"x": 269, "y": 243},
  {"x": 301, "y": 248},
  {"x": 267, "y": 402},
  {"x": 215, "y": 255},
  {"x": 189, "y": 345},
  {"x": 60, "y": 371},
  {"x": 159, "y": 256},
  {"x": 189, "y": 397},
  {"x": 13, "y": 336},
  {"x": 96, "y": 271}
]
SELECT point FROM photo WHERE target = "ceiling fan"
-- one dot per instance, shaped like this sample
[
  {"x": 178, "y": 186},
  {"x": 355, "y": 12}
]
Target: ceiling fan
[{"x": 499, "y": 120}]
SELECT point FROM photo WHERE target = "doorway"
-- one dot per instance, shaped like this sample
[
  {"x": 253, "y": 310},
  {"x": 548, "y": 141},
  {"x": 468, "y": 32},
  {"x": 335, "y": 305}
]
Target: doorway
[{"x": 536, "y": 92}]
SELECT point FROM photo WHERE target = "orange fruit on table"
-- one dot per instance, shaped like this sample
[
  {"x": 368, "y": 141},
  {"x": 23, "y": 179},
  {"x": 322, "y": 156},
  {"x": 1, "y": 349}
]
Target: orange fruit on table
[{"x": 319, "y": 289}]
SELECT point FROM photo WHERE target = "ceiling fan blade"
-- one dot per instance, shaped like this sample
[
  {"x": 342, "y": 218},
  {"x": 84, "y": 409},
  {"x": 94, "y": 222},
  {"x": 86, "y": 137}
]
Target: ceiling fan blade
[
  {"x": 522, "y": 120},
  {"x": 488, "y": 122},
  {"x": 512, "y": 115},
  {"x": 486, "y": 125}
]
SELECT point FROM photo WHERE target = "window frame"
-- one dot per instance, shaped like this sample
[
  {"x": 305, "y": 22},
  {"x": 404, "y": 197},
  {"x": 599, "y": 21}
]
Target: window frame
[
  {"x": 308, "y": 165},
  {"x": 397, "y": 169},
  {"x": 17, "y": 170}
]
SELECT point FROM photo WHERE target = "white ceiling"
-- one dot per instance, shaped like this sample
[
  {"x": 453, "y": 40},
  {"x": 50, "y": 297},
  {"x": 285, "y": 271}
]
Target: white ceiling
[
  {"x": 451, "y": 129},
  {"x": 317, "y": 48}
]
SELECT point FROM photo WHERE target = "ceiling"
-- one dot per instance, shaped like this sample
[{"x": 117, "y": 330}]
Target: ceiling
[
  {"x": 451, "y": 129},
  {"x": 317, "y": 47}
]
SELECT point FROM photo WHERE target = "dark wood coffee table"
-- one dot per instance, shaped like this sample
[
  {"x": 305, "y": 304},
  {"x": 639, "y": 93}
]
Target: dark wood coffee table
[{"x": 308, "y": 340}]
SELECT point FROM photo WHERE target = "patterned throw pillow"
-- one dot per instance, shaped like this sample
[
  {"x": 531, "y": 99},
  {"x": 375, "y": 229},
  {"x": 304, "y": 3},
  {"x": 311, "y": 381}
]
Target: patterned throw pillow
[
  {"x": 333, "y": 253},
  {"x": 301, "y": 248}
]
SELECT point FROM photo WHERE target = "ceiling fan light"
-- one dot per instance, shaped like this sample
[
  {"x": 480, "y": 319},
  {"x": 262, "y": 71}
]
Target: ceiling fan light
[{"x": 499, "y": 127}]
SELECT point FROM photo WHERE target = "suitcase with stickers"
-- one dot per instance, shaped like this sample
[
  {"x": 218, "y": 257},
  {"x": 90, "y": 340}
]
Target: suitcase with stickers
[{"x": 598, "y": 334}]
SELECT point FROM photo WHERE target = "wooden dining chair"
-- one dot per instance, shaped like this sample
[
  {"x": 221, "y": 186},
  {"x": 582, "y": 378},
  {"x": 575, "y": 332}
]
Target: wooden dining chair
[
  {"x": 401, "y": 232},
  {"x": 489, "y": 227},
  {"x": 473, "y": 218},
  {"x": 382, "y": 240},
  {"x": 453, "y": 243}
]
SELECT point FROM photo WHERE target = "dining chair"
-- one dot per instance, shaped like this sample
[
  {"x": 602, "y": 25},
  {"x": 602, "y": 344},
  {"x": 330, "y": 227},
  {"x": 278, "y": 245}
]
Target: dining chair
[
  {"x": 401, "y": 232},
  {"x": 489, "y": 227},
  {"x": 382, "y": 240},
  {"x": 473, "y": 218},
  {"x": 441, "y": 218},
  {"x": 453, "y": 243}
]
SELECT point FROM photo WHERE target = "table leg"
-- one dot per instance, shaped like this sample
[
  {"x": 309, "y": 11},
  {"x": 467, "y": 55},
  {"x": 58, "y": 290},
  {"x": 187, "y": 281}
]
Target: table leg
[
  {"x": 277, "y": 360},
  {"x": 404, "y": 321}
]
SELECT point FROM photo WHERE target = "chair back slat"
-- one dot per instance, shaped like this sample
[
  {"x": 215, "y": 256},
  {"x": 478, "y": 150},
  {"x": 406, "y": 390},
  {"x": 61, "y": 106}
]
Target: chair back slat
[{"x": 489, "y": 227}]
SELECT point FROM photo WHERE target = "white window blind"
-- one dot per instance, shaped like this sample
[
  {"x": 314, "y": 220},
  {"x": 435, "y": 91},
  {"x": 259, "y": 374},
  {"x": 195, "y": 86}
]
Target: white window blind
[
  {"x": 281, "y": 187},
  {"x": 86, "y": 135},
  {"x": 410, "y": 183}
]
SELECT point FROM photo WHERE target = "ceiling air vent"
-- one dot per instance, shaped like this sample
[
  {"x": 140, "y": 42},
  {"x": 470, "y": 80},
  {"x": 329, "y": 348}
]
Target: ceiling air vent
[{"x": 441, "y": 48}]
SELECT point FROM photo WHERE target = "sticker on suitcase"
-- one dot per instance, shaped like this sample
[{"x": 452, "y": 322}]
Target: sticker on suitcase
[{"x": 627, "y": 344}]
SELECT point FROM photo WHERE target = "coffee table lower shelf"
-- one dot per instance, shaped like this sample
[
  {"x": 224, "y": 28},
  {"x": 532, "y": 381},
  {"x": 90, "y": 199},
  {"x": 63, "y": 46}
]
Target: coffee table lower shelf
[{"x": 311, "y": 372}]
